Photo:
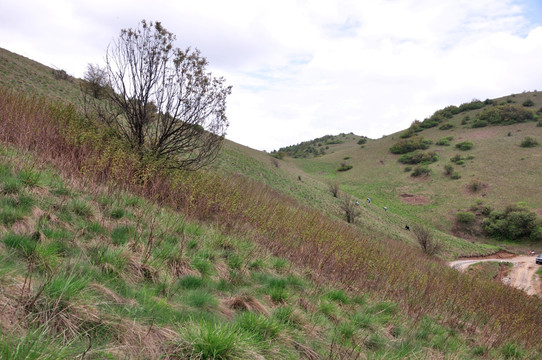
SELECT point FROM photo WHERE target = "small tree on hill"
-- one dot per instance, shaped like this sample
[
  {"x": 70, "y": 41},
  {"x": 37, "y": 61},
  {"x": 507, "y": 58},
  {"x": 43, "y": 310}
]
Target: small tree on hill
[
  {"x": 350, "y": 208},
  {"x": 162, "y": 99},
  {"x": 334, "y": 188},
  {"x": 95, "y": 81},
  {"x": 425, "y": 238}
]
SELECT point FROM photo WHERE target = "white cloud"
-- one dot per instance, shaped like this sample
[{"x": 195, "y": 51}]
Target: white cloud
[{"x": 306, "y": 68}]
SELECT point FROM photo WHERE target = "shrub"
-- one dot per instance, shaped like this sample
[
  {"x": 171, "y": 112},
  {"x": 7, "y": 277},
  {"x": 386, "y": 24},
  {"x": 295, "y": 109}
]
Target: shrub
[
  {"x": 445, "y": 141},
  {"x": 362, "y": 141},
  {"x": 456, "y": 158},
  {"x": 479, "y": 123},
  {"x": 528, "y": 103},
  {"x": 421, "y": 171},
  {"x": 59, "y": 74},
  {"x": 446, "y": 126},
  {"x": 506, "y": 114},
  {"x": 417, "y": 157},
  {"x": 425, "y": 238},
  {"x": 448, "y": 169},
  {"x": 334, "y": 188},
  {"x": 349, "y": 207},
  {"x": 536, "y": 234},
  {"x": 345, "y": 167},
  {"x": 475, "y": 185},
  {"x": 514, "y": 223},
  {"x": 455, "y": 176},
  {"x": 408, "y": 145},
  {"x": 465, "y": 218},
  {"x": 528, "y": 142},
  {"x": 464, "y": 145}
]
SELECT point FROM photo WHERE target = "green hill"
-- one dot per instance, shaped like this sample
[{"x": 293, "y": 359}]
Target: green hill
[{"x": 107, "y": 256}]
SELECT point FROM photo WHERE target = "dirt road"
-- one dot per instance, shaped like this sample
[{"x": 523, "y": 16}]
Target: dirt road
[{"x": 522, "y": 275}]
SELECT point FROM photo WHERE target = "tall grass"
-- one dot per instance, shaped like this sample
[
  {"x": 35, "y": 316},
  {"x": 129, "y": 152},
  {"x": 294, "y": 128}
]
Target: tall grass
[{"x": 332, "y": 249}]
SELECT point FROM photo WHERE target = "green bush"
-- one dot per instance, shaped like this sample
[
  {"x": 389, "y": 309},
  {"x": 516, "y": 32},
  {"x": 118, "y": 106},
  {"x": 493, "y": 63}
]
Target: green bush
[
  {"x": 464, "y": 145},
  {"x": 528, "y": 103},
  {"x": 446, "y": 126},
  {"x": 465, "y": 218},
  {"x": 408, "y": 145},
  {"x": 455, "y": 175},
  {"x": 528, "y": 142},
  {"x": 345, "y": 167},
  {"x": 456, "y": 158},
  {"x": 362, "y": 141},
  {"x": 479, "y": 123},
  {"x": 536, "y": 234},
  {"x": 506, "y": 114},
  {"x": 514, "y": 223},
  {"x": 445, "y": 141},
  {"x": 418, "y": 157},
  {"x": 448, "y": 169},
  {"x": 421, "y": 171}
]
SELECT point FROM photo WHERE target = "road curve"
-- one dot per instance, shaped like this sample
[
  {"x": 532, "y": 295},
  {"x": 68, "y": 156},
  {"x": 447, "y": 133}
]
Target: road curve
[{"x": 522, "y": 275}]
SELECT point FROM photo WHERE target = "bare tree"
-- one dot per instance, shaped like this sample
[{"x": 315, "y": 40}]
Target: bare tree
[
  {"x": 350, "y": 208},
  {"x": 425, "y": 238},
  {"x": 162, "y": 100},
  {"x": 333, "y": 187}
]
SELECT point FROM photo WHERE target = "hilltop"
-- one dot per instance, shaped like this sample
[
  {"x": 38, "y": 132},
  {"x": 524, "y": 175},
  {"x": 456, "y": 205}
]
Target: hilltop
[{"x": 106, "y": 256}]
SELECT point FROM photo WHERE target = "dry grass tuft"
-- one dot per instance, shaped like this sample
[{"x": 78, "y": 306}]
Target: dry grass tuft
[
  {"x": 110, "y": 295},
  {"x": 246, "y": 303}
]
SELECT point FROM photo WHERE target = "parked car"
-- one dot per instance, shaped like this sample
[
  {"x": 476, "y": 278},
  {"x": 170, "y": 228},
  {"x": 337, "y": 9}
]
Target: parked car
[{"x": 539, "y": 259}]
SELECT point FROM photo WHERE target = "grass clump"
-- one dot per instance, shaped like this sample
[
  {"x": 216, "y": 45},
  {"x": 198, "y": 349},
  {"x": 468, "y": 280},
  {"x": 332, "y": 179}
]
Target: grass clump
[
  {"x": 209, "y": 340},
  {"x": 529, "y": 142},
  {"x": 121, "y": 234}
]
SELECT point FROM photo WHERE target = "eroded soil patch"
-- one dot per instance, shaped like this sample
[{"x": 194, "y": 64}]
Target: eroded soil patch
[{"x": 414, "y": 199}]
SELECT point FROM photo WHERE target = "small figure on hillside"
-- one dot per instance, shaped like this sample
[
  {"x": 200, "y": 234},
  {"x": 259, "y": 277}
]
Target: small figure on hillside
[
  {"x": 385, "y": 208},
  {"x": 407, "y": 227},
  {"x": 357, "y": 203},
  {"x": 368, "y": 200},
  {"x": 531, "y": 252}
]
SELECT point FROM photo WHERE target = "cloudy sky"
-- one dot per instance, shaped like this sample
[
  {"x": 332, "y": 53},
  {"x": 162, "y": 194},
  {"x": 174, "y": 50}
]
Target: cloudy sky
[{"x": 301, "y": 69}]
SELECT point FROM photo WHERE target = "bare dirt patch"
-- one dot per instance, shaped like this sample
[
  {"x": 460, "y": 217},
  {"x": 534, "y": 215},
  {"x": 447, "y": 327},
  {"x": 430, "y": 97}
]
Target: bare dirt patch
[
  {"x": 484, "y": 133},
  {"x": 415, "y": 199}
]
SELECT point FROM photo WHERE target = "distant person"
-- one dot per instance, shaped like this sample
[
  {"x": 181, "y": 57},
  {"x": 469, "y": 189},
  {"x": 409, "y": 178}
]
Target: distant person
[
  {"x": 407, "y": 227},
  {"x": 385, "y": 208},
  {"x": 368, "y": 200},
  {"x": 357, "y": 203}
]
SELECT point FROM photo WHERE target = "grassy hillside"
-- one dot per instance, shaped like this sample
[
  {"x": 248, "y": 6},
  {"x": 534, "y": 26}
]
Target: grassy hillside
[
  {"x": 508, "y": 173},
  {"x": 108, "y": 256}
]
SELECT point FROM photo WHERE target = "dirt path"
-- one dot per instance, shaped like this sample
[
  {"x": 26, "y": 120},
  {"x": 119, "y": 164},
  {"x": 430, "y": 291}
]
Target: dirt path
[{"x": 522, "y": 275}]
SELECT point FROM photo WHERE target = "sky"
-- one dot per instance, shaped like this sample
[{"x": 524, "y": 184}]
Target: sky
[{"x": 302, "y": 69}]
